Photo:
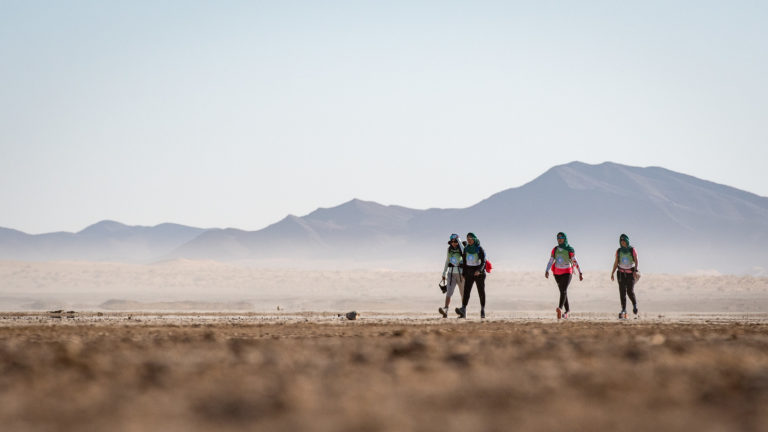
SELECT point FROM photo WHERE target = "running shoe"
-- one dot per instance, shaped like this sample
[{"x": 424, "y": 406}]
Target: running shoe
[
  {"x": 623, "y": 314},
  {"x": 443, "y": 312},
  {"x": 559, "y": 313},
  {"x": 634, "y": 310},
  {"x": 458, "y": 311},
  {"x": 462, "y": 313},
  {"x": 565, "y": 315},
  {"x": 482, "y": 313}
]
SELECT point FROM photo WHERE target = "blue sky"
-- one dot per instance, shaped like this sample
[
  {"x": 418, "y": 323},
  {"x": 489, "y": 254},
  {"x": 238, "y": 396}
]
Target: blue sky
[{"x": 235, "y": 114}]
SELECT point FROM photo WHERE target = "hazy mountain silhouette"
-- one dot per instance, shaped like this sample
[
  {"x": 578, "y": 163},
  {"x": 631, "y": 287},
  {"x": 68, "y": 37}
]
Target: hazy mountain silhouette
[
  {"x": 357, "y": 229},
  {"x": 103, "y": 241},
  {"x": 678, "y": 223}
]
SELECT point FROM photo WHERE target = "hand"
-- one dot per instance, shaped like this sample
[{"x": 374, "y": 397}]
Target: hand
[
  {"x": 546, "y": 274},
  {"x": 443, "y": 278},
  {"x": 611, "y": 277},
  {"x": 477, "y": 273},
  {"x": 581, "y": 276}
]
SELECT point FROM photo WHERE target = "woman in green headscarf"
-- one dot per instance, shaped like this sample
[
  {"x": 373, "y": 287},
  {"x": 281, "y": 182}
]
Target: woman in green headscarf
[
  {"x": 474, "y": 272},
  {"x": 626, "y": 263},
  {"x": 562, "y": 261}
]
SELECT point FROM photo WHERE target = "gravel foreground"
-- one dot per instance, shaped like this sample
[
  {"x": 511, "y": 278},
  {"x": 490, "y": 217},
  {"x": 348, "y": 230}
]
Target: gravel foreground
[{"x": 321, "y": 372}]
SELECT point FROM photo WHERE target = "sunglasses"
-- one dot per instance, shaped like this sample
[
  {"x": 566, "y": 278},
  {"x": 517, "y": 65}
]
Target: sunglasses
[{"x": 454, "y": 241}]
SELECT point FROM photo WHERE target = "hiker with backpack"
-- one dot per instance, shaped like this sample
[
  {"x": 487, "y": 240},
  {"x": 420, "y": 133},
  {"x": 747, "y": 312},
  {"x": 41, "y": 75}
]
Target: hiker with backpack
[
  {"x": 474, "y": 273},
  {"x": 454, "y": 262},
  {"x": 626, "y": 263},
  {"x": 562, "y": 260}
]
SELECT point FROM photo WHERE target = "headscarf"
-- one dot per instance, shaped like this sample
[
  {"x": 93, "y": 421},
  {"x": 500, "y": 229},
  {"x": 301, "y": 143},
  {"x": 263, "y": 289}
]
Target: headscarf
[
  {"x": 623, "y": 249},
  {"x": 565, "y": 244},
  {"x": 472, "y": 248}
]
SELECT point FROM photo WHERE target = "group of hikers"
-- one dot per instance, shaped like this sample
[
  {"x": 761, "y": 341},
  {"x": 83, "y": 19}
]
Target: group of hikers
[{"x": 466, "y": 265}]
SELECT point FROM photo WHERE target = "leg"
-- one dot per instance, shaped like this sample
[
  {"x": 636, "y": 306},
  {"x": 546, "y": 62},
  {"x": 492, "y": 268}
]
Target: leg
[
  {"x": 558, "y": 279},
  {"x": 469, "y": 278},
  {"x": 622, "y": 291},
  {"x": 481, "y": 289},
  {"x": 452, "y": 281},
  {"x": 562, "y": 284},
  {"x": 565, "y": 292},
  {"x": 631, "y": 291}
]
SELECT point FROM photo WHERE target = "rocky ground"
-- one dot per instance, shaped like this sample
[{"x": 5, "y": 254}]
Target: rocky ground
[{"x": 138, "y": 372}]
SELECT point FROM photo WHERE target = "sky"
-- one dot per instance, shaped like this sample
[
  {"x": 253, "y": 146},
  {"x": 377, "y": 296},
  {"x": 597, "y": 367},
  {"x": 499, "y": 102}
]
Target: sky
[{"x": 238, "y": 113}]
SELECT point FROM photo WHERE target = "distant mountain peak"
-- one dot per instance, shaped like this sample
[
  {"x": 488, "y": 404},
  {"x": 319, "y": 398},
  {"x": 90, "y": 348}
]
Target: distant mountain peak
[
  {"x": 580, "y": 166},
  {"x": 354, "y": 204},
  {"x": 575, "y": 164},
  {"x": 358, "y": 203},
  {"x": 105, "y": 227}
]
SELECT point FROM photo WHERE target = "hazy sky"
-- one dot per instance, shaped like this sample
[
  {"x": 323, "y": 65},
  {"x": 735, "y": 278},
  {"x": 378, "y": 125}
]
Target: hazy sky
[{"x": 237, "y": 113}]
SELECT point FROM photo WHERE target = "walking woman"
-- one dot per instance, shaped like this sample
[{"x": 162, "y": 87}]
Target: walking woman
[
  {"x": 626, "y": 262},
  {"x": 562, "y": 261},
  {"x": 453, "y": 264},
  {"x": 474, "y": 272}
]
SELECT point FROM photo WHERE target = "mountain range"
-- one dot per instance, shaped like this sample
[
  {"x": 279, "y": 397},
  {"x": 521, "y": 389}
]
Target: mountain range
[{"x": 677, "y": 222}]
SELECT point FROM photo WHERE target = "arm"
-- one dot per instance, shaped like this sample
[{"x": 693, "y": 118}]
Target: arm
[
  {"x": 481, "y": 254},
  {"x": 637, "y": 264},
  {"x": 634, "y": 273},
  {"x": 549, "y": 265},
  {"x": 447, "y": 261},
  {"x": 576, "y": 264},
  {"x": 615, "y": 265}
]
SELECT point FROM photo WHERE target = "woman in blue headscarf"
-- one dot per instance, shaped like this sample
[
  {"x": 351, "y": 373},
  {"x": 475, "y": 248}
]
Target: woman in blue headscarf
[{"x": 454, "y": 261}]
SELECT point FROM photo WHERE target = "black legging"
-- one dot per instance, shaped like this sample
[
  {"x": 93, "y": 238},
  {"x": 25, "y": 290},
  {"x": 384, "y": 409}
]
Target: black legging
[
  {"x": 627, "y": 288},
  {"x": 563, "y": 280},
  {"x": 469, "y": 278}
]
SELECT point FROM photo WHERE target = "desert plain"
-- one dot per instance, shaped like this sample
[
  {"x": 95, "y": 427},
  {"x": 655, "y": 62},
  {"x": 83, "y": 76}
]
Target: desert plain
[{"x": 187, "y": 346}]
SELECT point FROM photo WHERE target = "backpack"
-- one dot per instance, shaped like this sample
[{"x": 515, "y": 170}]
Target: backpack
[{"x": 488, "y": 266}]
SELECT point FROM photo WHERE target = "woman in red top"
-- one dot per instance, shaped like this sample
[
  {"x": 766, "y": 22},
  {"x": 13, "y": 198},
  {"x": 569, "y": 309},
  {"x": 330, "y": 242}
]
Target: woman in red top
[{"x": 562, "y": 262}]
